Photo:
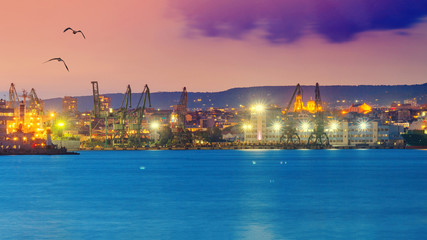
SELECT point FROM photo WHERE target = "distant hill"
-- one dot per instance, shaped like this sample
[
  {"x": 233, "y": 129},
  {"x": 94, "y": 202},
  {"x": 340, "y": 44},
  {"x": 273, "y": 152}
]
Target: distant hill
[{"x": 280, "y": 95}]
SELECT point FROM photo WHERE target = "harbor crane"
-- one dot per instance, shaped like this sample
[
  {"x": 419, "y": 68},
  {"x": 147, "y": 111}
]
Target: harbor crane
[
  {"x": 318, "y": 138},
  {"x": 16, "y": 104},
  {"x": 35, "y": 104},
  {"x": 13, "y": 98},
  {"x": 179, "y": 111},
  {"x": 138, "y": 114},
  {"x": 99, "y": 116},
  {"x": 122, "y": 115},
  {"x": 290, "y": 136},
  {"x": 181, "y": 136}
]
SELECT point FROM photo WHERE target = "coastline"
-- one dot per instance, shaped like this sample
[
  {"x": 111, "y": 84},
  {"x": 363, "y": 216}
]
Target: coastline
[{"x": 237, "y": 148}]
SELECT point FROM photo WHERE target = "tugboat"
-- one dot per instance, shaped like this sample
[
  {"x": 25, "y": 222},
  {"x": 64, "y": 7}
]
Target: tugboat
[{"x": 416, "y": 137}]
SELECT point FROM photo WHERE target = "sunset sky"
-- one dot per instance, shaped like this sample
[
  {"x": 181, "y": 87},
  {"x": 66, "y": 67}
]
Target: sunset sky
[{"x": 210, "y": 45}]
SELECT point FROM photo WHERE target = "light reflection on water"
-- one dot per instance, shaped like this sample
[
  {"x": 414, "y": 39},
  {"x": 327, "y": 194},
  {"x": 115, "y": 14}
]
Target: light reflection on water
[{"x": 313, "y": 194}]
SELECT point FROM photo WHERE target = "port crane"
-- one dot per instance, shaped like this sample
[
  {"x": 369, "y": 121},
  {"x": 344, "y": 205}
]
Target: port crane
[
  {"x": 290, "y": 136},
  {"x": 98, "y": 116},
  {"x": 179, "y": 111},
  {"x": 13, "y": 98},
  {"x": 35, "y": 104},
  {"x": 138, "y": 114},
  {"x": 16, "y": 104},
  {"x": 122, "y": 115},
  {"x": 318, "y": 138},
  {"x": 181, "y": 136}
]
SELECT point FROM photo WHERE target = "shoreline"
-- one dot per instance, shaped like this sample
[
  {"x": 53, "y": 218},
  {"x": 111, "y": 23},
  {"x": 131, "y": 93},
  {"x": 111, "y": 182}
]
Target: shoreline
[{"x": 266, "y": 147}]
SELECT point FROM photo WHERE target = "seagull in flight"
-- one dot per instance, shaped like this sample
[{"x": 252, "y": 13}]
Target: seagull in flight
[
  {"x": 59, "y": 60},
  {"x": 74, "y": 31}
]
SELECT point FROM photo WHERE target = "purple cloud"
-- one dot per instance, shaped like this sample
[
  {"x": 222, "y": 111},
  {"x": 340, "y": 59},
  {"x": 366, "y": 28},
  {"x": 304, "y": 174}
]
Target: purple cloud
[{"x": 286, "y": 21}]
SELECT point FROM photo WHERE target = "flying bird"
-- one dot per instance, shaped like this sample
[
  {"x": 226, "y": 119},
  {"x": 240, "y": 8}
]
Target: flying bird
[
  {"x": 59, "y": 60},
  {"x": 74, "y": 31}
]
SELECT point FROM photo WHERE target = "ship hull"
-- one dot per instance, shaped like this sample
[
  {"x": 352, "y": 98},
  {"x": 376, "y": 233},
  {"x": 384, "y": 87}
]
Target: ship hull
[{"x": 415, "y": 139}]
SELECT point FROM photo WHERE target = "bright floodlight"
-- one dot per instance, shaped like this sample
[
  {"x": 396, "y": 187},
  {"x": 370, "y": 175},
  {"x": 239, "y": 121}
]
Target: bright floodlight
[
  {"x": 277, "y": 126},
  {"x": 155, "y": 125},
  {"x": 61, "y": 124},
  {"x": 305, "y": 126},
  {"x": 334, "y": 126},
  {"x": 259, "y": 107},
  {"x": 247, "y": 126},
  {"x": 363, "y": 125}
]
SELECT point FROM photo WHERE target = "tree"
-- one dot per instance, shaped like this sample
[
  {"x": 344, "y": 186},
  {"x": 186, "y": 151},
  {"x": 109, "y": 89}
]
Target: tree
[
  {"x": 215, "y": 135},
  {"x": 166, "y": 136}
]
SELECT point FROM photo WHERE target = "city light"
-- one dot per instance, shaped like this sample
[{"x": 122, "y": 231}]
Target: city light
[
  {"x": 277, "y": 126},
  {"x": 61, "y": 124},
  {"x": 259, "y": 107},
  {"x": 247, "y": 126},
  {"x": 155, "y": 125},
  {"x": 363, "y": 125},
  {"x": 305, "y": 126},
  {"x": 333, "y": 125}
]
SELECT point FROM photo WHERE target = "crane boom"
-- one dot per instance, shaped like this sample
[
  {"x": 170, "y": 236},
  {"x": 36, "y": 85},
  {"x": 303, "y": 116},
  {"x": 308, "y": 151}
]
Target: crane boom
[{"x": 297, "y": 89}]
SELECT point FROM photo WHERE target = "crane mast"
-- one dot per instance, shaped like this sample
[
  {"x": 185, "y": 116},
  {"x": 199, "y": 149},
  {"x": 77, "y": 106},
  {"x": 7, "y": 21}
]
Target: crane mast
[
  {"x": 138, "y": 114},
  {"x": 290, "y": 136},
  {"x": 318, "y": 138},
  {"x": 35, "y": 104},
  {"x": 123, "y": 117}
]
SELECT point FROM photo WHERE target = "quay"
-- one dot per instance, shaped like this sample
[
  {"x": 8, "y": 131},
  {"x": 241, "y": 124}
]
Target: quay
[{"x": 235, "y": 147}]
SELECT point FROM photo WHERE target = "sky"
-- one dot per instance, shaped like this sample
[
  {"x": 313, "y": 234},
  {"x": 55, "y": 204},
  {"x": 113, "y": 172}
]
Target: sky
[{"x": 209, "y": 45}]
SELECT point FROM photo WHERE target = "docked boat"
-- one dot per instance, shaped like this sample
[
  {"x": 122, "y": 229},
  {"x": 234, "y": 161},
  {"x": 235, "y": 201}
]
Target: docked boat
[{"x": 416, "y": 136}]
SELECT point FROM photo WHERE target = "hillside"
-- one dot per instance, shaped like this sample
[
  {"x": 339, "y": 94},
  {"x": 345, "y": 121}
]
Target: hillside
[{"x": 378, "y": 95}]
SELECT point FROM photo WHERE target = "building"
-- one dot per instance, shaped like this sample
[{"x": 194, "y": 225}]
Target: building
[
  {"x": 264, "y": 125},
  {"x": 69, "y": 105},
  {"x": 358, "y": 133},
  {"x": 412, "y": 102},
  {"x": 105, "y": 103},
  {"x": 6, "y": 114},
  {"x": 358, "y": 108}
]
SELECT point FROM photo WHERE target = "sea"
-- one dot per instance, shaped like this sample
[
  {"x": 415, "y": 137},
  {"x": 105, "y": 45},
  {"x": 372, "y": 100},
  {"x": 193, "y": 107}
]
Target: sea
[{"x": 215, "y": 194}]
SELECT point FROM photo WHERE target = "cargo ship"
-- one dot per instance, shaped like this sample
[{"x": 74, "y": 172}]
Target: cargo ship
[{"x": 416, "y": 136}]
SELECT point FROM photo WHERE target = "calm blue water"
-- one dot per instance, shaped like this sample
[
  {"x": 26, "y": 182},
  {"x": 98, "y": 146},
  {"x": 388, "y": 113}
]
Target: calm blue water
[{"x": 251, "y": 194}]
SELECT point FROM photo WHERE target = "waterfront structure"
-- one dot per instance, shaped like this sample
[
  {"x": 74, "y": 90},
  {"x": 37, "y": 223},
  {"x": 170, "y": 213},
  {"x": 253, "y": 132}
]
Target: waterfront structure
[
  {"x": 264, "y": 125},
  {"x": 69, "y": 105},
  {"x": 6, "y": 115},
  {"x": 363, "y": 133}
]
